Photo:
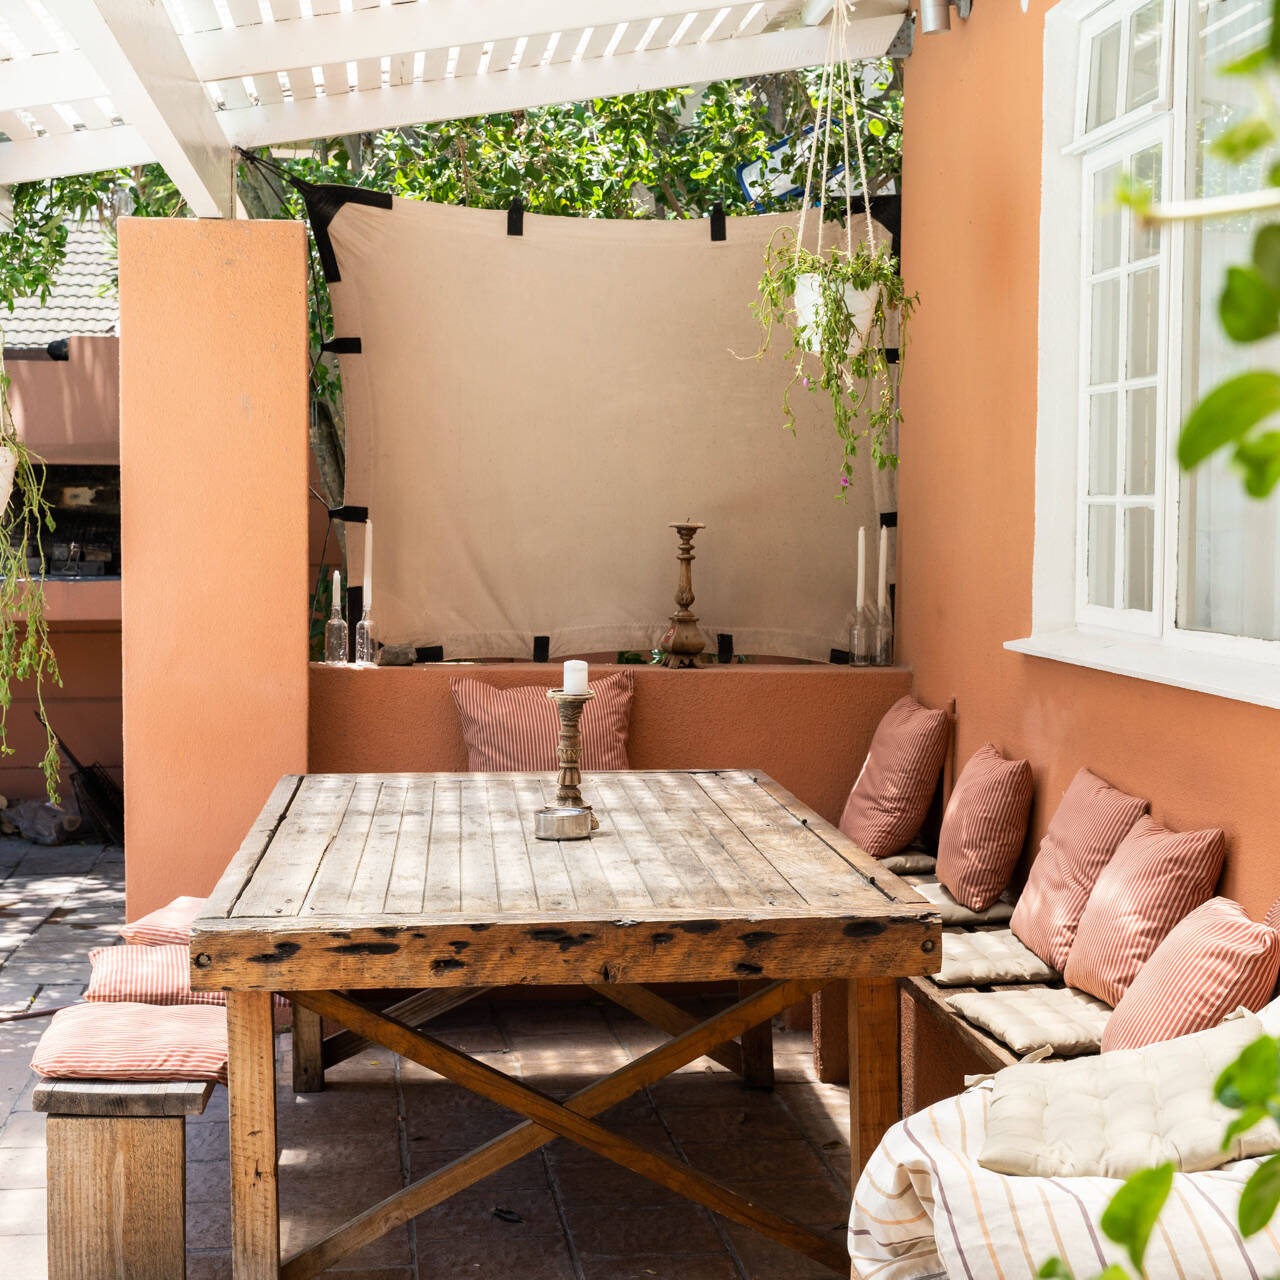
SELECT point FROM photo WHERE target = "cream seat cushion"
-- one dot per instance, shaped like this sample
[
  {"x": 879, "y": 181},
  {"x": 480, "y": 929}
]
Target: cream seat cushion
[
  {"x": 951, "y": 911},
  {"x": 1112, "y": 1115},
  {"x": 909, "y": 863},
  {"x": 1066, "y": 1022},
  {"x": 987, "y": 956}
]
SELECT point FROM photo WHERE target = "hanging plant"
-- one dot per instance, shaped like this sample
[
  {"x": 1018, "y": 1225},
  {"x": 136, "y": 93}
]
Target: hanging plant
[
  {"x": 840, "y": 304},
  {"x": 25, "y": 651}
]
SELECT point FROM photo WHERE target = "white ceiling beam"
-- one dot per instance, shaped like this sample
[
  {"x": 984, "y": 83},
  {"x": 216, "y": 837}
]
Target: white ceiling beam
[
  {"x": 48, "y": 78},
  {"x": 457, "y": 99},
  {"x": 83, "y": 151},
  {"x": 441, "y": 24},
  {"x": 150, "y": 80}
]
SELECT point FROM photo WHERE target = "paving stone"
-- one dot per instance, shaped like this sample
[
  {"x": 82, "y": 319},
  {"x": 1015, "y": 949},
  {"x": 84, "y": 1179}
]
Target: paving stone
[
  {"x": 22, "y": 1212},
  {"x": 21, "y": 1168},
  {"x": 26, "y": 1257},
  {"x": 23, "y": 1129},
  {"x": 626, "y": 1230},
  {"x": 787, "y": 1158},
  {"x": 765, "y": 1259},
  {"x": 537, "y": 1259},
  {"x": 656, "y": 1266},
  {"x": 486, "y": 1213}
]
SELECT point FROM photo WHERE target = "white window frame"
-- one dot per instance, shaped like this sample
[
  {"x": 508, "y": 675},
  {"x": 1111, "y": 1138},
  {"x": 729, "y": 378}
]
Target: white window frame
[{"x": 1152, "y": 647}]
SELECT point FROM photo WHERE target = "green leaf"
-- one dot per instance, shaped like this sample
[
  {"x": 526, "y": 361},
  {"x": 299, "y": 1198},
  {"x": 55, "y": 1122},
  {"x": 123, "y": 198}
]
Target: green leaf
[
  {"x": 1273, "y": 42},
  {"x": 1250, "y": 64},
  {"x": 1249, "y": 308},
  {"x": 1260, "y": 1196},
  {"x": 1131, "y": 1216},
  {"x": 1259, "y": 459},
  {"x": 1055, "y": 1269},
  {"x": 1252, "y": 1079},
  {"x": 1266, "y": 254},
  {"x": 1226, "y": 414},
  {"x": 1242, "y": 140},
  {"x": 1242, "y": 1123}
]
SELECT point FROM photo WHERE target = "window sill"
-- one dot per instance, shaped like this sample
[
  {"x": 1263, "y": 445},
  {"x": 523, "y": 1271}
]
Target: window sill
[{"x": 1225, "y": 676}]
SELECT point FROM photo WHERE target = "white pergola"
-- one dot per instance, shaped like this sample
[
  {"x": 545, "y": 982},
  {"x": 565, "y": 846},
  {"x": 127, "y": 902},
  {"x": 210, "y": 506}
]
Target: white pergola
[{"x": 98, "y": 84}]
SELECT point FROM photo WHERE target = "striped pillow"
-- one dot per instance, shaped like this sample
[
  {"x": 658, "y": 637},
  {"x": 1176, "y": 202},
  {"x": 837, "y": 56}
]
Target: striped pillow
[
  {"x": 1211, "y": 963},
  {"x": 1155, "y": 878},
  {"x": 166, "y": 924},
  {"x": 984, "y": 827},
  {"x": 134, "y": 1042},
  {"x": 146, "y": 975},
  {"x": 518, "y": 730},
  {"x": 890, "y": 799},
  {"x": 1272, "y": 917},
  {"x": 1083, "y": 834}
]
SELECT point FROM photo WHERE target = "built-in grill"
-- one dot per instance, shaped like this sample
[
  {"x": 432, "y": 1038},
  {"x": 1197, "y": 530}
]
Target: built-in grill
[{"x": 85, "y": 541}]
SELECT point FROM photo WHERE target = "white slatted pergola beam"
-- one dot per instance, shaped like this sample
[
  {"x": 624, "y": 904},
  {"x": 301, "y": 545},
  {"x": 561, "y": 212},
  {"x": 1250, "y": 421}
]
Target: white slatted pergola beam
[
  {"x": 83, "y": 151},
  {"x": 149, "y": 78},
  {"x": 48, "y": 78},
  {"x": 457, "y": 99}
]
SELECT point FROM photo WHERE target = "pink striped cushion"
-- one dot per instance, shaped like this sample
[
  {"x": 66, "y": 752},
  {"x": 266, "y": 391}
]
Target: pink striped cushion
[
  {"x": 1272, "y": 917},
  {"x": 1211, "y": 963},
  {"x": 519, "y": 729},
  {"x": 984, "y": 828},
  {"x": 1155, "y": 878},
  {"x": 1083, "y": 834},
  {"x": 165, "y": 925},
  {"x": 889, "y": 801},
  {"x": 146, "y": 975},
  {"x": 134, "y": 1042}
]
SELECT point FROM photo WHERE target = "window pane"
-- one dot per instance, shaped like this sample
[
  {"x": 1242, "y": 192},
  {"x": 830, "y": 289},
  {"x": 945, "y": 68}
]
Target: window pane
[
  {"x": 1105, "y": 359},
  {"x": 1140, "y": 460},
  {"x": 1144, "y": 238},
  {"x": 1144, "y": 56},
  {"x": 1102, "y": 443},
  {"x": 1102, "y": 556},
  {"x": 1104, "y": 77},
  {"x": 1230, "y": 544},
  {"x": 1106, "y": 219},
  {"x": 1139, "y": 541},
  {"x": 1144, "y": 322}
]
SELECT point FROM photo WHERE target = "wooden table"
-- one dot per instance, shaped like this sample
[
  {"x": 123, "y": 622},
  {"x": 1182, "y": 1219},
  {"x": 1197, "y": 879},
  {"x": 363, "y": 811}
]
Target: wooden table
[{"x": 351, "y": 882}]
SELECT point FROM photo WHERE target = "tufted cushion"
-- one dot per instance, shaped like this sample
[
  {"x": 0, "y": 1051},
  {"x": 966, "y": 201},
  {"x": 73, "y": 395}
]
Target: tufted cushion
[
  {"x": 134, "y": 1042},
  {"x": 984, "y": 827},
  {"x": 1028, "y": 1018},
  {"x": 1109, "y": 1117},
  {"x": 165, "y": 925},
  {"x": 951, "y": 911},
  {"x": 1214, "y": 961},
  {"x": 146, "y": 975},
  {"x": 891, "y": 797},
  {"x": 985, "y": 956},
  {"x": 1155, "y": 878},
  {"x": 1083, "y": 834},
  {"x": 519, "y": 729},
  {"x": 904, "y": 864}
]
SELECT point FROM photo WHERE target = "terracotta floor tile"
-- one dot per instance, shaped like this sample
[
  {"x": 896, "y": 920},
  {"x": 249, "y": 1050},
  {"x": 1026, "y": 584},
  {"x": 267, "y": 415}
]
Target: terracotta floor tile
[
  {"x": 208, "y": 1142},
  {"x": 208, "y": 1180},
  {"x": 209, "y": 1224},
  {"x": 529, "y": 1172},
  {"x": 601, "y": 1182},
  {"x": 209, "y": 1266},
  {"x": 748, "y": 1158},
  {"x": 764, "y": 1259},
  {"x": 816, "y": 1202},
  {"x": 731, "y": 1124},
  {"x": 625, "y": 1230},
  {"x": 563, "y": 1018},
  {"x": 656, "y": 1266},
  {"x": 537, "y": 1259},
  {"x": 485, "y": 1213}
]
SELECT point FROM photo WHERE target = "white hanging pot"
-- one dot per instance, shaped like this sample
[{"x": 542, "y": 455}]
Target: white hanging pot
[
  {"x": 808, "y": 305},
  {"x": 8, "y": 468}
]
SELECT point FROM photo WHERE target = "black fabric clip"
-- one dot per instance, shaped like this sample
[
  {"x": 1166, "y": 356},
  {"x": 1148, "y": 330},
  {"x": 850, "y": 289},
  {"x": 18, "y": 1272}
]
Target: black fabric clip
[
  {"x": 839, "y": 657},
  {"x": 342, "y": 346},
  {"x": 888, "y": 519},
  {"x": 352, "y": 515},
  {"x": 541, "y": 648},
  {"x": 355, "y": 611},
  {"x": 724, "y": 646},
  {"x": 515, "y": 217},
  {"x": 718, "y": 228},
  {"x": 431, "y": 653}
]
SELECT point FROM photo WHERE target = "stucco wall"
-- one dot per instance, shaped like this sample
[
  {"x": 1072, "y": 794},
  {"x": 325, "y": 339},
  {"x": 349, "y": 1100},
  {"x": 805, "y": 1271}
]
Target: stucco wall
[{"x": 971, "y": 188}]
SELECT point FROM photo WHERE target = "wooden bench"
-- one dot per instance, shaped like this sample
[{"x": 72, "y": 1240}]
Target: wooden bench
[{"x": 116, "y": 1167}]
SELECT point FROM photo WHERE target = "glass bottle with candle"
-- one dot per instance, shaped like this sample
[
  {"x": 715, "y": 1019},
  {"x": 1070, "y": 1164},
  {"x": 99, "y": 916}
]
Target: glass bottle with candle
[
  {"x": 364, "y": 639},
  {"x": 335, "y": 630},
  {"x": 862, "y": 636},
  {"x": 883, "y": 650}
]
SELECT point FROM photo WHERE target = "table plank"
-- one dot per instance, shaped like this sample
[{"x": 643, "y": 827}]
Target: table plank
[
  {"x": 444, "y": 849},
  {"x": 516, "y": 888},
  {"x": 407, "y": 884}
]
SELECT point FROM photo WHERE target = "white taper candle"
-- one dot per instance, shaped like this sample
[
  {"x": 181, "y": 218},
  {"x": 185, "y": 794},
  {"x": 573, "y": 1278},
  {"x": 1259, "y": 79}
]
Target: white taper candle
[
  {"x": 882, "y": 598},
  {"x": 367, "y": 595},
  {"x": 862, "y": 567},
  {"x": 337, "y": 589},
  {"x": 575, "y": 676}
]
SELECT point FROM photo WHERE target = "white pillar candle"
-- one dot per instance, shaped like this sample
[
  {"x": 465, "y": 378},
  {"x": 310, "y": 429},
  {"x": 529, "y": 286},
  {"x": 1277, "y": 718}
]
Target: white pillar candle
[
  {"x": 337, "y": 589},
  {"x": 883, "y": 598},
  {"x": 575, "y": 677},
  {"x": 367, "y": 594},
  {"x": 862, "y": 567}
]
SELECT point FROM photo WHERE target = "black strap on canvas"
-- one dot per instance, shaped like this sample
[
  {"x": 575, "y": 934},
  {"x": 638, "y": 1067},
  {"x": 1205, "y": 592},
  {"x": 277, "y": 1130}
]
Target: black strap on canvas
[
  {"x": 718, "y": 226},
  {"x": 541, "y": 648},
  {"x": 342, "y": 346},
  {"x": 352, "y": 515},
  {"x": 355, "y": 611},
  {"x": 515, "y": 217},
  {"x": 888, "y": 519},
  {"x": 323, "y": 200},
  {"x": 430, "y": 653},
  {"x": 839, "y": 657},
  {"x": 724, "y": 646}
]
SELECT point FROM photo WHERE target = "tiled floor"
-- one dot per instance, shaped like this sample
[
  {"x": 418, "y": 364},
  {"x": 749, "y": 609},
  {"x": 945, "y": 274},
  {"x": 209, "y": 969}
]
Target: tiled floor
[{"x": 559, "y": 1214}]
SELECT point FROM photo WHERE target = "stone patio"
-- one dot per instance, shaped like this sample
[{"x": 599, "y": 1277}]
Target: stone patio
[{"x": 559, "y": 1214}]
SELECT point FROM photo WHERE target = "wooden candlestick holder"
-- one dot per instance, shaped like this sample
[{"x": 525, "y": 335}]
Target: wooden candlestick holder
[
  {"x": 570, "y": 818},
  {"x": 683, "y": 643}
]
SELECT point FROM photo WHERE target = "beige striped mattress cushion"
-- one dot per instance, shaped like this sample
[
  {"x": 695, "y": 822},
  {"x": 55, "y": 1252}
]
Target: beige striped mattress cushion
[
  {"x": 952, "y": 913},
  {"x": 925, "y": 1208},
  {"x": 983, "y": 957},
  {"x": 1066, "y": 1022}
]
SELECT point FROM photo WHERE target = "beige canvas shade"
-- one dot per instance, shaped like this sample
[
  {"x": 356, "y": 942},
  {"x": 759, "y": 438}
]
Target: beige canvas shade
[{"x": 527, "y": 414}]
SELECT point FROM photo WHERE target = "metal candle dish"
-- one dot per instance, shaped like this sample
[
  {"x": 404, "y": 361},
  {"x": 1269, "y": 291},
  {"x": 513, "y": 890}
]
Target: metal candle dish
[{"x": 570, "y": 818}]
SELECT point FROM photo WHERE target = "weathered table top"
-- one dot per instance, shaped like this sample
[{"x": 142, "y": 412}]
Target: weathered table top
[{"x": 385, "y": 880}]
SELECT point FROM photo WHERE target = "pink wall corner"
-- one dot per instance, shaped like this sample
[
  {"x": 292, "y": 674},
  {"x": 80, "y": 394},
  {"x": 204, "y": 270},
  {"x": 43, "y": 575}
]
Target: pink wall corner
[
  {"x": 69, "y": 410},
  {"x": 213, "y": 385}
]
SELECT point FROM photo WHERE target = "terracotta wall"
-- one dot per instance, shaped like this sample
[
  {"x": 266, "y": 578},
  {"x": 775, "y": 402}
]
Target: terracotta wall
[
  {"x": 69, "y": 410},
  {"x": 807, "y": 727},
  {"x": 213, "y": 469},
  {"x": 971, "y": 189}
]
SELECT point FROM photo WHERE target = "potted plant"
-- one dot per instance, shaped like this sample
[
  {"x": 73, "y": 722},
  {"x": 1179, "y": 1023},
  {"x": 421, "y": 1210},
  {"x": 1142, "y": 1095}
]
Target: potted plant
[
  {"x": 846, "y": 304},
  {"x": 25, "y": 651}
]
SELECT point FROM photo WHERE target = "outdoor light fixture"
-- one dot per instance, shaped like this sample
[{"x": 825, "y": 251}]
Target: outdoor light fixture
[{"x": 935, "y": 15}]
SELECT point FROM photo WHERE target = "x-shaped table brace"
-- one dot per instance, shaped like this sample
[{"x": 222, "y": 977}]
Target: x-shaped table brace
[{"x": 548, "y": 1119}]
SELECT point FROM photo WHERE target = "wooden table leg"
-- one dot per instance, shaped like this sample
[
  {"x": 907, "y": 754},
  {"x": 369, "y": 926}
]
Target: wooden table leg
[
  {"x": 875, "y": 1065},
  {"x": 757, "y": 1045},
  {"x": 255, "y": 1207},
  {"x": 831, "y": 1033},
  {"x": 307, "y": 1034}
]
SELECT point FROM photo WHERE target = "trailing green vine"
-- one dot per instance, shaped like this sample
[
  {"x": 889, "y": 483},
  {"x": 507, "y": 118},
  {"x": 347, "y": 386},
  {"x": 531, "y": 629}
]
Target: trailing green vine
[{"x": 25, "y": 651}]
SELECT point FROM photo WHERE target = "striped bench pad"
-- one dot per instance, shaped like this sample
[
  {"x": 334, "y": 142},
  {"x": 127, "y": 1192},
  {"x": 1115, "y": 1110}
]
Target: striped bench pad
[
  {"x": 166, "y": 925},
  {"x": 146, "y": 975},
  {"x": 127, "y": 1041}
]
